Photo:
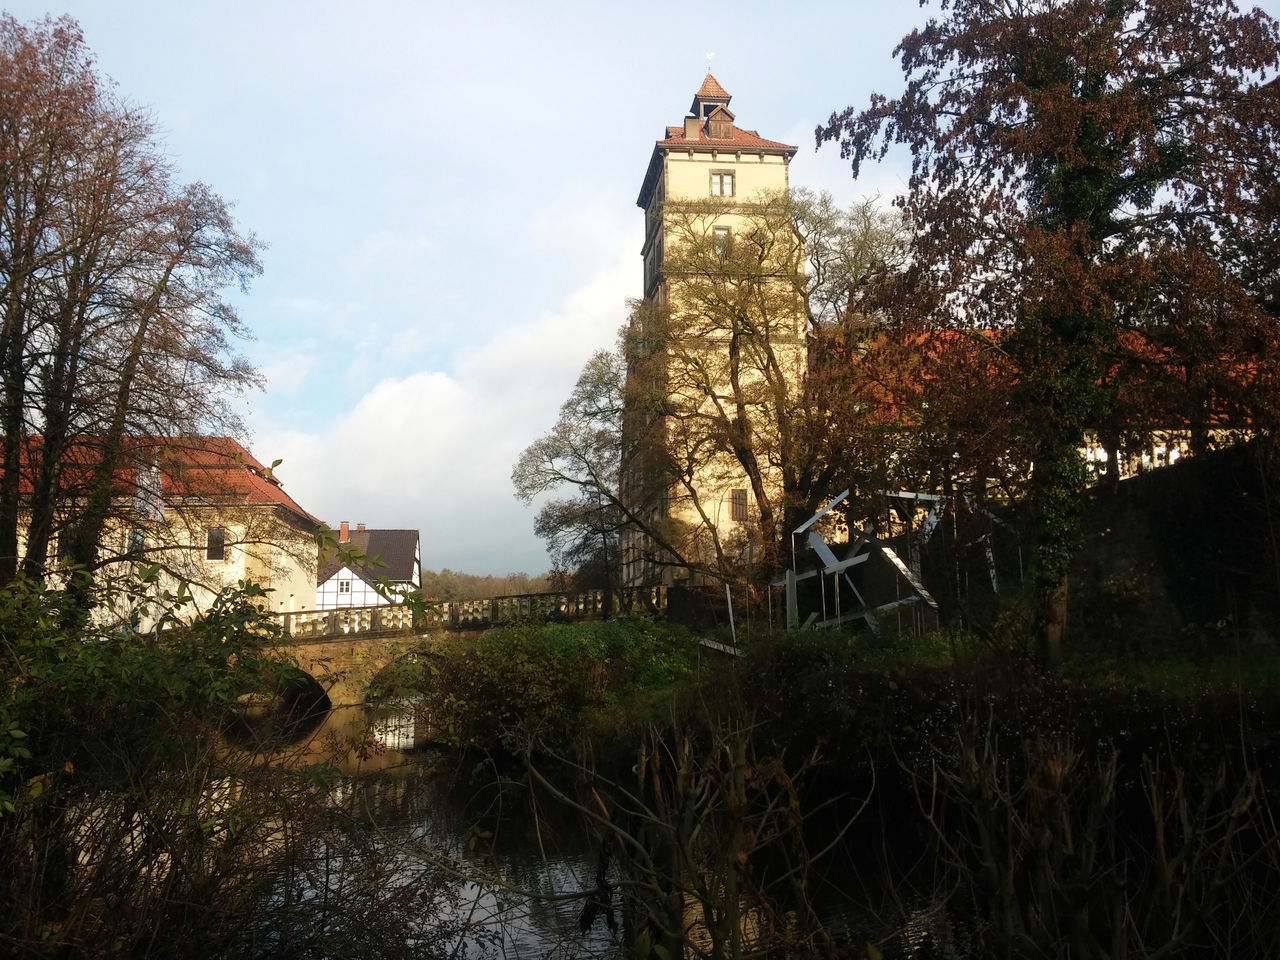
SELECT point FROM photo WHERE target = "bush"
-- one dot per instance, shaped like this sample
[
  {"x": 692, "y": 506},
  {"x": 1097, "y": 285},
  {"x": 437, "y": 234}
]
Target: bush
[{"x": 536, "y": 680}]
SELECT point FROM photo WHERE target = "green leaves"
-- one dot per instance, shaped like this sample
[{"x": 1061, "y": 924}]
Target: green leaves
[
  {"x": 546, "y": 678},
  {"x": 149, "y": 696}
]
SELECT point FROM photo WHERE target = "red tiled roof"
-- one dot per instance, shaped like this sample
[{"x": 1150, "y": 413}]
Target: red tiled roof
[
  {"x": 210, "y": 468},
  {"x": 711, "y": 90},
  {"x": 745, "y": 139},
  {"x": 219, "y": 468},
  {"x": 739, "y": 140}
]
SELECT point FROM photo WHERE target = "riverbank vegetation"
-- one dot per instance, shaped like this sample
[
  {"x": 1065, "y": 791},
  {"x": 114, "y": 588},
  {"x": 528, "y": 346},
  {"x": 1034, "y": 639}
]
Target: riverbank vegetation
[
  {"x": 828, "y": 794},
  {"x": 132, "y": 825}
]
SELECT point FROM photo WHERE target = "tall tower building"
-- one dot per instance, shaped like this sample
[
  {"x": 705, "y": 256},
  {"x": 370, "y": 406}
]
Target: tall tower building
[
  {"x": 708, "y": 157},
  {"x": 716, "y": 348}
]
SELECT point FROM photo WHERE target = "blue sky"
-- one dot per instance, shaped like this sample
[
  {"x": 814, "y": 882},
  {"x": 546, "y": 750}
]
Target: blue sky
[{"x": 447, "y": 193}]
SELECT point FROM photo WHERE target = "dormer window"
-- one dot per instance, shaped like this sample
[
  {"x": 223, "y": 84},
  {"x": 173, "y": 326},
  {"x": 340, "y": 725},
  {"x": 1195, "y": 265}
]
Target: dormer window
[
  {"x": 720, "y": 124},
  {"x": 722, "y": 183}
]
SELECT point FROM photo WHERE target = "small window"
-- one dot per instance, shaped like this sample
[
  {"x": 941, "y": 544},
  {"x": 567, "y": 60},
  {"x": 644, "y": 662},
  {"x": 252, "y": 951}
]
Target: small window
[
  {"x": 738, "y": 505},
  {"x": 722, "y": 183},
  {"x": 721, "y": 240},
  {"x": 137, "y": 540},
  {"x": 344, "y": 586},
  {"x": 215, "y": 544}
]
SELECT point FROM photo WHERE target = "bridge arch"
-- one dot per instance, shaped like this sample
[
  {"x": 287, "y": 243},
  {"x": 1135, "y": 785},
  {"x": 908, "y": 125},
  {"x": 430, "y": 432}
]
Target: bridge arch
[{"x": 345, "y": 668}]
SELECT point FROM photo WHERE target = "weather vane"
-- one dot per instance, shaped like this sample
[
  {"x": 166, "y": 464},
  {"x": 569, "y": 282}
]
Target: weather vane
[{"x": 709, "y": 56}]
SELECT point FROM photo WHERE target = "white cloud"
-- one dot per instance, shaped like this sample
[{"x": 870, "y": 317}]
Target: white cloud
[
  {"x": 287, "y": 377},
  {"x": 434, "y": 450}
]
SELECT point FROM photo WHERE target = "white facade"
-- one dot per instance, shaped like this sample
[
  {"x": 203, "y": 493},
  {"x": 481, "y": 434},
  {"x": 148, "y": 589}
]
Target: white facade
[{"x": 347, "y": 589}]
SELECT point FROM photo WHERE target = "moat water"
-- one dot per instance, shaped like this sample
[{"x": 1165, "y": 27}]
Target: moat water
[{"x": 509, "y": 875}]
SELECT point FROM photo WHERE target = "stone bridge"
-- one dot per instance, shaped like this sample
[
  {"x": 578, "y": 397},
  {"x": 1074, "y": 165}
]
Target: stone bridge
[{"x": 344, "y": 649}]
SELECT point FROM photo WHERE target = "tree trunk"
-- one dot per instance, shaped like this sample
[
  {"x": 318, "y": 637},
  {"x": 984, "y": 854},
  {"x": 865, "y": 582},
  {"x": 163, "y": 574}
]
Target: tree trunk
[{"x": 1054, "y": 627}]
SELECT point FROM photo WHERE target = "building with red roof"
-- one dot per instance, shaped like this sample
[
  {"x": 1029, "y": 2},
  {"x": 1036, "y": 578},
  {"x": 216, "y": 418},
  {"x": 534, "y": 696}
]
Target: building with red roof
[
  {"x": 708, "y": 156},
  {"x": 203, "y": 509},
  {"x": 710, "y": 186}
]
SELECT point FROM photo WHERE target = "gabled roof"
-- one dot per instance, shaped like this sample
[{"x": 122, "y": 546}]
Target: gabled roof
[
  {"x": 219, "y": 469},
  {"x": 398, "y": 549},
  {"x": 214, "y": 470}
]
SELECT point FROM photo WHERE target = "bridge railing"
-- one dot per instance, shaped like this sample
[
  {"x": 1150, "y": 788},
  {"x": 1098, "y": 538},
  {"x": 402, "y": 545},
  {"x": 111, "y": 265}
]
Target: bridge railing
[
  {"x": 315, "y": 624},
  {"x": 463, "y": 614}
]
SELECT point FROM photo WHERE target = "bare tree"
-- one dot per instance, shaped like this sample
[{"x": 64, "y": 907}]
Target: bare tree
[
  {"x": 111, "y": 275},
  {"x": 583, "y": 453},
  {"x": 748, "y": 375}
]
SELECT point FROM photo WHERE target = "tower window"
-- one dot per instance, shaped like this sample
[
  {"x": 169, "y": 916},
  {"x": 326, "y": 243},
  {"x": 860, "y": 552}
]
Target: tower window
[
  {"x": 722, "y": 183},
  {"x": 215, "y": 544},
  {"x": 738, "y": 505}
]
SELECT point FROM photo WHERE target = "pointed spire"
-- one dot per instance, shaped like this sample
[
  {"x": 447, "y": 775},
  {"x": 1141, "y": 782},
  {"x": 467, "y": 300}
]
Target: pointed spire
[
  {"x": 711, "y": 89},
  {"x": 709, "y": 96}
]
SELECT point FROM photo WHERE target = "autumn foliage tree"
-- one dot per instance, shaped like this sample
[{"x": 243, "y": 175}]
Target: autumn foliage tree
[
  {"x": 1093, "y": 180},
  {"x": 111, "y": 279}
]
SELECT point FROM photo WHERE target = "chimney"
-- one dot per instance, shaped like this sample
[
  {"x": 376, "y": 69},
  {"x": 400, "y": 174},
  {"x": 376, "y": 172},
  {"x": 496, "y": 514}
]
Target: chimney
[
  {"x": 691, "y": 127},
  {"x": 344, "y": 532},
  {"x": 359, "y": 528}
]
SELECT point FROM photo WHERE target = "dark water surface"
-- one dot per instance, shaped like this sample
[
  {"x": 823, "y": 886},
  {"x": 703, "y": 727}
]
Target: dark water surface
[
  {"x": 516, "y": 879},
  {"x": 518, "y": 870}
]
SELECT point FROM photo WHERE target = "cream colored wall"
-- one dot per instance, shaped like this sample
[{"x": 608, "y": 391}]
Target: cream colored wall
[
  {"x": 688, "y": 176},
  {"x": 259, "y": 546},
  {"x": 703, "y": 505},
  {"x": 707, "y": 507},
  {"x": 293, "y": 583},
  {"x": 280, "y": 557}
]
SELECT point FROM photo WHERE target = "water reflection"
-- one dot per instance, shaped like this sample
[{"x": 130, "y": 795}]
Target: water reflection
[
  {"x": 509, "y": 876},
  {"x": 516, "y": 880}
]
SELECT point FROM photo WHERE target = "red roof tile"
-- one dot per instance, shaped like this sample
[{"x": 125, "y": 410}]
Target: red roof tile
[
  {"x": 711, "y": 90},
  {"x": 220, "y": 468},
  {"x": 745, "y": 139},
  {"x": 740, "y": 139},
  {"x": 215, "y": 469}
]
